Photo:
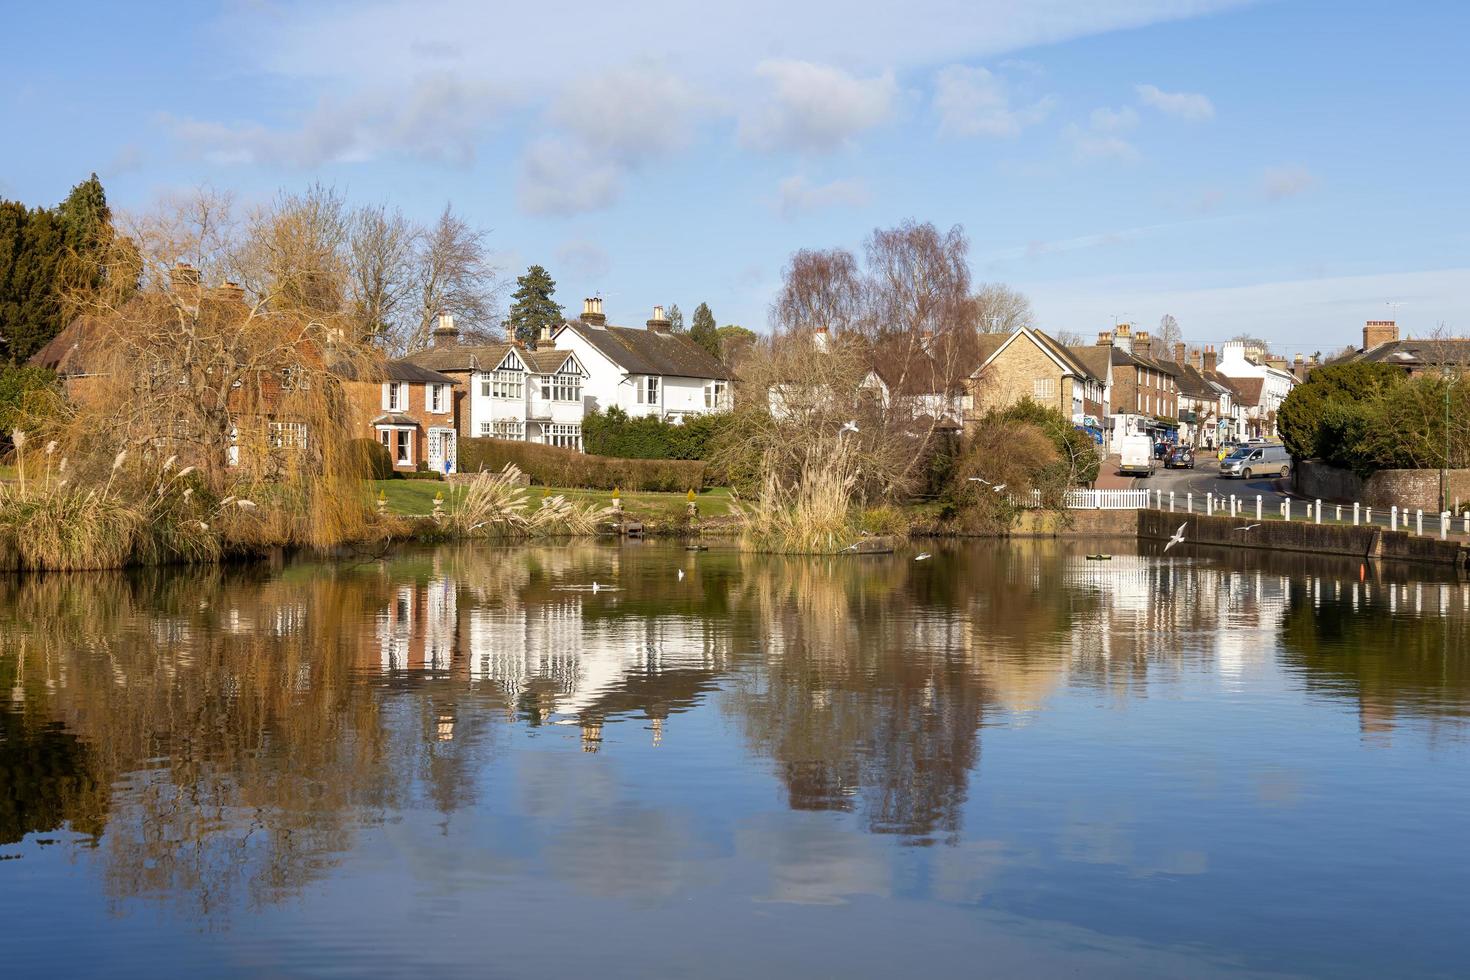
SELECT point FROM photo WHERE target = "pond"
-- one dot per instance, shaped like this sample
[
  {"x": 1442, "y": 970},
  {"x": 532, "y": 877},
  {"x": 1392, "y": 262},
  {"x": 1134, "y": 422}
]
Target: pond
[{"x": 1005, "y": 760}]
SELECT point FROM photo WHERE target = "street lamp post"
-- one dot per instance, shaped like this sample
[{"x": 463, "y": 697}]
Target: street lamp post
[{"x": 1444, "y": 468}]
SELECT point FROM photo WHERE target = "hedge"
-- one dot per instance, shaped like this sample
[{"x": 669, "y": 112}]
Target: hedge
[
  {"x": 615, "y": 433},
  {"x": 554, "y": 467}
]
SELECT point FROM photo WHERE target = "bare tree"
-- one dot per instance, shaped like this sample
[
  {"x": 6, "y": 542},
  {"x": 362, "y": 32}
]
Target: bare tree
[
  {"x": 293, "y": 252},
  {"x": 1167, "y": 335},
  {"x": 819, "y": 289},
  {"x": 997, "y": 308},
  {"x": 381, "y": 251},
  {"x": 454, "y": 273}
]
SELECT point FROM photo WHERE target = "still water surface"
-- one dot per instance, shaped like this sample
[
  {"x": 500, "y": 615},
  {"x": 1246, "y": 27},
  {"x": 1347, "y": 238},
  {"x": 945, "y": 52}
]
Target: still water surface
[{"x": 1004, "y": 761}]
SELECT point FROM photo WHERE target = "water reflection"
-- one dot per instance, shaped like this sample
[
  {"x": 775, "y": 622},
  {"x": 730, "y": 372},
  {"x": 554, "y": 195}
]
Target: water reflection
[{"x": 224, "y": 738}]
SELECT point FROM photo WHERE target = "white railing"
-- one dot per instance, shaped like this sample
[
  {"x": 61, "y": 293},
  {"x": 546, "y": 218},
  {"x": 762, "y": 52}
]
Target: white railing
[{"x": 1100, "y": 499}]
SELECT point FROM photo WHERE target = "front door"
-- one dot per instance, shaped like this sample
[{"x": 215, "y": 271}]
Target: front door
[{"x": 442, "y": 450}]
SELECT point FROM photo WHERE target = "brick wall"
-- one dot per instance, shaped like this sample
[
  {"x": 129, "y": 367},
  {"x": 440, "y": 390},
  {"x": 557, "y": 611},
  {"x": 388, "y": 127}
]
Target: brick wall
[
  {"x": 1414, "y": 489},
  {"x": 366, "y": 401},
  {"x": 1012, "y": 377}
]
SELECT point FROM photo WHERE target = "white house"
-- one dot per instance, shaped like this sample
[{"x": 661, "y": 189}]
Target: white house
[
  {"x": 511, "y": 392},
  {"x": 1262, "y": 387},
  {"x": 650, "y": 371}
]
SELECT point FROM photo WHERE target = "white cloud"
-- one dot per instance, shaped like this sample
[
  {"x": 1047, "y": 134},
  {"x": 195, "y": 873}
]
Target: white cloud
[
  {"x": 437, "y": 117},
  {"x": 798, "y": 196},
  {"x": 583, "y": 259},
  {"x": 1105, "y": 120},
  {"x": 563, "y": 178},
  {"x": 1280, "y": 183},
  {"x": 976, "y": 102},
  {"x": 1191, "y": 106},
  {"x": 815, "y": 108},
  {"x": 633, "y": 113}
]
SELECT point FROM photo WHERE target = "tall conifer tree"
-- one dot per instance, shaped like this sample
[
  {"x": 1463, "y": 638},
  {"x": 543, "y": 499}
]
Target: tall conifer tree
[{"x": 532, "y": 307}]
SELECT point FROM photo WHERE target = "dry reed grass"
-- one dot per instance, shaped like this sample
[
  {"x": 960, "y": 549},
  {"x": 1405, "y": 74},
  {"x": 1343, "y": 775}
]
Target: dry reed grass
[{"x": 813, "y": 514}]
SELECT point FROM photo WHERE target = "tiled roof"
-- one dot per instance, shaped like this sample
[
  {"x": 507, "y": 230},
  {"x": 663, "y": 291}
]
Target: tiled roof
[
  {"x": 1412, "y": 353},
  {"x": 460, "y": 357},
  {"x": 1248, "y": 390},
  {"x": 1095, "y": 358},
  {"x": 642, "y": 351}
]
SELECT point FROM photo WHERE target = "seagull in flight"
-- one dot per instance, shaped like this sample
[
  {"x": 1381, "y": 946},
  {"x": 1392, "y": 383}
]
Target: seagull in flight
[
  {"x": 998, "y": 487},
  {"x": 848, "y": 426},
  {"x": 851, "y": 547},
  {"x": 923, "y": 556},
  {"x": 976, "y": 479},
  {"x": 1178, "y": 537},
  {"x": 1247, "y": 527}
]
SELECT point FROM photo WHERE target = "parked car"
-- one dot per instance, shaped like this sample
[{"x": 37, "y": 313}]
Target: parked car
[
  {"x": 1162, "y": 450},
  {"x": 1137, "y": 456},
  {"x": 1182, "y": 458},
  {"x": 1257, "y": 460}
]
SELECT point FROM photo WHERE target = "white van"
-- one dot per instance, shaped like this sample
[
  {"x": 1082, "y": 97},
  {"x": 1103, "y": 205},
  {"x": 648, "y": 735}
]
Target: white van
[
  {"x": 1250, "y": 461},
  {"x": 1138, "y": 455}
]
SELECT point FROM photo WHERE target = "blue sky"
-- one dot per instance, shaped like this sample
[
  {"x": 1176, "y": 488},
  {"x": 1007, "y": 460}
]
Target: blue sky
[{"x": 1286, "y": 168}]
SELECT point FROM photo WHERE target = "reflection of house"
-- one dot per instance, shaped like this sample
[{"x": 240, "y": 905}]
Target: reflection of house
[{"x": 651, "y": 371}]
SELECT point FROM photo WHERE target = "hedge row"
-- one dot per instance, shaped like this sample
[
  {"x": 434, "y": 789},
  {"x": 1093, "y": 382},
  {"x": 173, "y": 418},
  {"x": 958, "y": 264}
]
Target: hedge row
[
  {"x": 615, "y": 433},
  {"x": 554, "y": 467}
]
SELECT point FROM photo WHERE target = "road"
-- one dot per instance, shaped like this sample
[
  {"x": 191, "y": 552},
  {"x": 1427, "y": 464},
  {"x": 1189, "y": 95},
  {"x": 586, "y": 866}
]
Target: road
[{"x": 1206, "y": 479}]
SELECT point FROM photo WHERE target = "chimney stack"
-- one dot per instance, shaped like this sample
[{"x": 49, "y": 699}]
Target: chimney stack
[
  {"x": 446, "y": 334},
  {"x": 1377, "y": 332},
  {"x": 1194, "y": 359},
  {"x": 592, "y": 312},
  {"x": 659, "y": 322},
  {"x": 1123, "y": 337},
  {"x": 1179, "y": 353},
  {"x": 228, "y": 292},
  {"x": 183, "y": 281},
  {"x": 1211, "y": 359},
  {"x": 1105, "y": 338},
  {"x": 1143, "y": 344},
  {"x": 819, "y": 339}
]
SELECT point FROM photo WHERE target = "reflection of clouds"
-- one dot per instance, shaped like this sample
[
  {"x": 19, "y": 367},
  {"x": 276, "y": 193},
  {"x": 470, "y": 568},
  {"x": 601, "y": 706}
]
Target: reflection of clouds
[
  {"x": 967, "y": 871},
  {"x": 814, "y": 859}
]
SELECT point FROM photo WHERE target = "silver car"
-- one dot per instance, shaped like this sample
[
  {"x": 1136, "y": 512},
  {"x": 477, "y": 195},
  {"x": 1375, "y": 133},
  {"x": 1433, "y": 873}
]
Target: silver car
[{"x": 1249, "y": 461}]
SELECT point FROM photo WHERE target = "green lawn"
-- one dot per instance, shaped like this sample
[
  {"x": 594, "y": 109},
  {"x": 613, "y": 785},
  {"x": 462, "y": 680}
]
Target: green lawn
[
  {"x": 7, "y": 472},
  {"x": 417, "y": 497}
]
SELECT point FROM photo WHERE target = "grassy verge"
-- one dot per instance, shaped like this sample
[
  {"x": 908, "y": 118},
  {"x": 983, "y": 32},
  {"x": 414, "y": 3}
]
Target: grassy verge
[
  {"x": 7, "y": 473},
  {"x": 417, "y": 497}
]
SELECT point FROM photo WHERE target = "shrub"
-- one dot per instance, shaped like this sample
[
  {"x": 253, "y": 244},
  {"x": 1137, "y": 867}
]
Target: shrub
[
  {"x": 556, "y": 467},
  {"x": 812, "y": 514},
  {"x": 1314, "y": 415},
  {"x": 614, "y": 433},
  {"x": 370, "y": 458}
]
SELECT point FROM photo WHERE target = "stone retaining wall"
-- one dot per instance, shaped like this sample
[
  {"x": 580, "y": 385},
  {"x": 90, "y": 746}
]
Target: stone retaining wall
[
  {"x": 1322, "y": 539},
  {"x": 1414, "y": 489}
]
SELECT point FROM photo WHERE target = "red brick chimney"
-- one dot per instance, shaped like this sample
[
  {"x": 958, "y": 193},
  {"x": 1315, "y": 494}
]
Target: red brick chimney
[
  {"x": 1211, "y": 359},
  {"x": 1179, "y": 353},
  {"x": 1105, "y": 338},
  {"x": 1143, "y": 344},
  {"x": 659, "y": 322},
  {"x": 446, "y": 334},
  {"x": 1377, "y": 332},
  {"x": 1194, "y": 359}
]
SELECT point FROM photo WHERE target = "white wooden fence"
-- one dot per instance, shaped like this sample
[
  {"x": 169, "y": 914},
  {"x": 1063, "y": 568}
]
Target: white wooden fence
[{"x": 1101, "y": 499}]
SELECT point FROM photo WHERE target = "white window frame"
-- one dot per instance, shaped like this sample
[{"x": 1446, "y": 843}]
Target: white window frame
[
  {"x": 395, "y": 396},
  {"x": 435, "y": 393},
  {"x": 1044, "y": 389},
  {"x": 514, "y": 429},
  {"x": 508, "y": 384},
  {"x": 648, "y": 390},
  {"x": 567, "y": 435},
  {"x": 714, "y": 393},
  {"x": 286, "y": 435},
  {"x": 563, "y": 386}
]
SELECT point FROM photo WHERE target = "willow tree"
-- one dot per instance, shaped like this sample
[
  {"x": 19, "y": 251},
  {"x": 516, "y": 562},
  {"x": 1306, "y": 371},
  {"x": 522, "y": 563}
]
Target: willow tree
[{"x": 232, "y": 356}]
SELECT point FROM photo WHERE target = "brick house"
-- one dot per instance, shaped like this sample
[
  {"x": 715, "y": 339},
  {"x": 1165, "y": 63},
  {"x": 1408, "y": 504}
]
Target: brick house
[
  {"x": 1382, "y": 344},
  {"x": 411, "y": 410},
  {"x": 1144, "y": 398},
  {"x": 1032, "y": 364}
]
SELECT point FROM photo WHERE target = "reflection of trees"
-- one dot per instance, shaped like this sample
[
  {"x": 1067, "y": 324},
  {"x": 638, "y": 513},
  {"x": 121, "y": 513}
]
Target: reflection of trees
[
  {"x": 1392, "y": 647},
  {"x": 864, "y": 698}
]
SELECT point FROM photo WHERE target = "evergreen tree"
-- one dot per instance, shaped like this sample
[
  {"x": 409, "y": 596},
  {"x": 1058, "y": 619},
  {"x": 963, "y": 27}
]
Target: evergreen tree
[
  {"x": 31, "y": 250},
  {"x": 532, "y": 307},
  {"x": 703, "y": 331},
  {"x": 676, "y": 318}
]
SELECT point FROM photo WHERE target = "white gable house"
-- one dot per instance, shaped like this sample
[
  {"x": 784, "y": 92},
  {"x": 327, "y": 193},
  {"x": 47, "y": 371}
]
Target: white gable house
[
  {"x": 650, "y": 371},
  {"x": 512, "y": 392}
]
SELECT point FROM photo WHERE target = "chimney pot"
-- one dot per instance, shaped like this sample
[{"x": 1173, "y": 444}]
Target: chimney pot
[
  {"x": 658, "y": 322},
  {"x": 445, "y": 332},
  {"x": 592, "y": 311},
  {"x": 1105, "y": 338}
]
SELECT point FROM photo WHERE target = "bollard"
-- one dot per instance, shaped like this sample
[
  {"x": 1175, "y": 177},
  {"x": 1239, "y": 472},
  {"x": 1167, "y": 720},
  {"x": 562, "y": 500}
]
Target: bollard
[
  {"x": 1337, "y": 516},
  {"x": 1393, "y": 518},
  {"x": 1444, "y": 525},
  {"x": 1189, "y": 502},
  {"x": 1368, "y": 515},
  {"x": 1356, "y": 514},
  {"x": 1258, "y": 507},
  {"x": 1467, "y": 522},
  {"x": 1419, "y": 523},
  {"x": 1233, "y": 508},
  {"x": 1171, "y": 501},
  {"x": 1210, "y": 504},
  {"x": 1286, "y": 508},
  {"x": 1319, "y": 512}
]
